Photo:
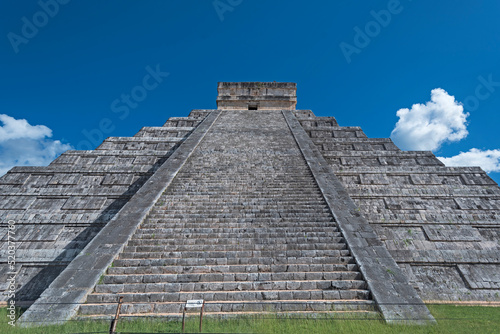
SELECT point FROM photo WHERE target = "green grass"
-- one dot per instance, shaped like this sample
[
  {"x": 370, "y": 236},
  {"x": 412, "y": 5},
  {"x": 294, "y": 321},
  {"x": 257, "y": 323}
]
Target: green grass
[{"x": 451, "y": 319}]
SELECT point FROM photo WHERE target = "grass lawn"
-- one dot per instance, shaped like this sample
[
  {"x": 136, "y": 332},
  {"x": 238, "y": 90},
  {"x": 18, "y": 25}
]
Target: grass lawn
[{"x": 451, "y": 319}]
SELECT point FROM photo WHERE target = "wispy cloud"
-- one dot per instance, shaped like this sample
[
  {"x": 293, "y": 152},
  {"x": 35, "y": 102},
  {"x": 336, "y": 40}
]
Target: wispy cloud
[
  {"x": 23, "y": 144},
  {"x": 488, "y": 160},
  {"x": 428, "y": 126}
]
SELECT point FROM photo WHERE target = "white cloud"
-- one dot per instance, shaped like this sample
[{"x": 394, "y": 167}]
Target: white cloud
[
  {"x": 428, "y": 126},
  {"x": 22, "y": 144},
  {"x": 489, "y": 160},
  {"x": 20, "y": 129}
]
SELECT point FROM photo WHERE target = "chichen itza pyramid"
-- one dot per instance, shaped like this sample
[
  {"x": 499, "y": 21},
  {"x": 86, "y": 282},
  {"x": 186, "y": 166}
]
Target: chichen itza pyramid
[{"x": 253, "y": 207}]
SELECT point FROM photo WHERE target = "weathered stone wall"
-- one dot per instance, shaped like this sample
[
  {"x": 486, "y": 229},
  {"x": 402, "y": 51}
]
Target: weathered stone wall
[
  {"x": 259, "y": 95},
  {"x": 58, "y": 209},
  {"x": 441, "y": 224}
]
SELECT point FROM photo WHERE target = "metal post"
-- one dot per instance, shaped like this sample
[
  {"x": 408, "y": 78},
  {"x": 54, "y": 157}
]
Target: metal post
[
  {"x": 112, "y": 328},
  {"x": 183, "y": 318},
  {"x": 201, "y": 315}
]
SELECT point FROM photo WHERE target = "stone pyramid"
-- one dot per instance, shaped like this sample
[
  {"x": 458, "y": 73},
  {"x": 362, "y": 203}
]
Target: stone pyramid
[{"x": 253, "y": 207}]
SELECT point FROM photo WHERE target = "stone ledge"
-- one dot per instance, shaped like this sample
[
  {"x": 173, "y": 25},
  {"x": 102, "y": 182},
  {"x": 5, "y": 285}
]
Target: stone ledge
[
  {"x": 83, "y": 170},
  {"x": 453, "y": 257}
]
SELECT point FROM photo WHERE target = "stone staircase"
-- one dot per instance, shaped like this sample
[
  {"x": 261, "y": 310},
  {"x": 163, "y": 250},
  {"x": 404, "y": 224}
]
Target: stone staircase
[{"x": 244, "y": 227}]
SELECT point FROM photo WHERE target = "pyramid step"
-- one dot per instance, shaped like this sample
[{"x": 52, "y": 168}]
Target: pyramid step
[
  {"x": 246, "y": 187},
  {"x": 343, "y": 258},
  {"x": 228, "y": 202},
  {"x": 298, "y": 176},
  {"x": 230, "y": 269},
  {"x": 236, "y": 206},
  {"x": 240, "y": 215},
  {"x": 240, "y": 255},
  {"x": 246, "y": 191},
  {"x": 156, "y": 246},
  {"x": 231, "y": 196},
  {"x": 306, "y": 240},
  {"x": 230, "y": 234},
  {"x": 251, "y": 209},
  {"x": 231, "y": 277},
  {"x": 366, "y": 308},
  {"x": 155, "y": 287},
  {"x": 228, "y": 296},
  {"x": 247, "y": 184},
  {"x": 179, "y": 224},
  {"x": 259, "y": 174},
  {"x": 247, "y": 243},
  {"x": 252, "y": 221}
]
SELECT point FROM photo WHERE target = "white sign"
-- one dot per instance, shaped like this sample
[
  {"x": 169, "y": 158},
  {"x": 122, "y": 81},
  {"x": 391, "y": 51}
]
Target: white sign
[{"x": 194, "y": 303}]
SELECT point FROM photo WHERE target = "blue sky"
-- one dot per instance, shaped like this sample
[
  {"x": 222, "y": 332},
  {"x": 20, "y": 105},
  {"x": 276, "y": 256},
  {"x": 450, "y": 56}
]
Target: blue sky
[{"x": 64, "y": 66}]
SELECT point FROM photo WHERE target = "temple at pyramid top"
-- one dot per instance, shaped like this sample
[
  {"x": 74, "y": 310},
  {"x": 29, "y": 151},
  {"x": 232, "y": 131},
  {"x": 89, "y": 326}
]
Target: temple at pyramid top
[{"x": 257, "y": 95}]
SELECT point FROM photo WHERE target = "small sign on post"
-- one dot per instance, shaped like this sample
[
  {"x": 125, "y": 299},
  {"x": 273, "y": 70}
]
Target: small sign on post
[{"x": 190, "y": 304}]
